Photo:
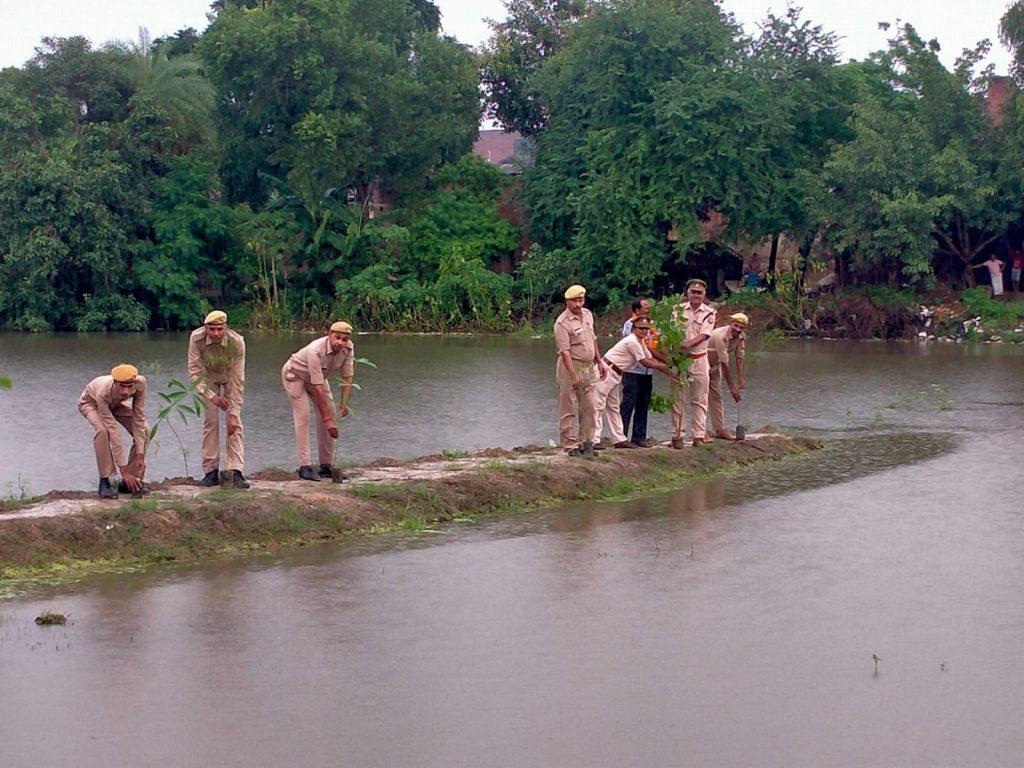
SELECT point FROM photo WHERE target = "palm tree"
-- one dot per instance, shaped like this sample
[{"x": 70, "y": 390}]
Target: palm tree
[{"x": 175, "y": 85}]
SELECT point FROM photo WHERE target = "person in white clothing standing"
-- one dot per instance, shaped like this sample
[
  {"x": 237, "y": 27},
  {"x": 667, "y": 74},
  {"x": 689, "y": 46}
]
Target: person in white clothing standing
[{"x": 624, "y": 355}]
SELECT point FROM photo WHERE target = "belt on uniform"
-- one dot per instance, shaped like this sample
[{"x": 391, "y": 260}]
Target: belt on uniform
[
  {"x": 702, "y": 354},
  {"x": 612, "y": 365}
]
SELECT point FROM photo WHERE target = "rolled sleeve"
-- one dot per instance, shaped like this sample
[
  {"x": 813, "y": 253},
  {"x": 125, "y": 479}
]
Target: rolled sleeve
[
  {"x": 140, "y": 427},
  {"x": 349, "y": 366},
  {"x": 196, "y": 369},
  {"x": 562, "y": 338},
  {"x": 315, "y": 365},
  {"x": 236, "y": 379}
]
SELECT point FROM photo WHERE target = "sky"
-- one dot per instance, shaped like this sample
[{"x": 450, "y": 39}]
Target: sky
[{"x": 956, "y": 24}]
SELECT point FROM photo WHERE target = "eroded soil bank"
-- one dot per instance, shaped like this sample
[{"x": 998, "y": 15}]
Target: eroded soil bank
[{"x": 70, "y": 533}]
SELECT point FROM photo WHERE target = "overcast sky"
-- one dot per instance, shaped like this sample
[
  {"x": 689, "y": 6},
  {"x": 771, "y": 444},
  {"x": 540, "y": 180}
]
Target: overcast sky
[{"x": 956, "y": 24}]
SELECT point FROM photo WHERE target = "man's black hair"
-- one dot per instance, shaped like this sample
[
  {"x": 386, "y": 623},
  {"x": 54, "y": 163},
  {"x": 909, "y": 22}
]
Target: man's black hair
[{"x": 637, "y": 303}]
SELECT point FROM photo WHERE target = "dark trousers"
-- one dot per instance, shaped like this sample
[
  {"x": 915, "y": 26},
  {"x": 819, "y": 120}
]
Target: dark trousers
[{"x": 636, "y": 400}]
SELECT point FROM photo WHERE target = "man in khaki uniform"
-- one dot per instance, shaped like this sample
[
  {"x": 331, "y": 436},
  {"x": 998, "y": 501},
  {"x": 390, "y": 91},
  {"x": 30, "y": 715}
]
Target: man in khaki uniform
[
  {"x": 700, "y": 322},
  {"x": 725, "y": 341},
  {"x": 216, "y": 366},
  {"x": 575, "y": 373},
  {"x": 103, "y": 405},
  {"x": 630, "y": 351},
  {"x": 305, "y": 377}
]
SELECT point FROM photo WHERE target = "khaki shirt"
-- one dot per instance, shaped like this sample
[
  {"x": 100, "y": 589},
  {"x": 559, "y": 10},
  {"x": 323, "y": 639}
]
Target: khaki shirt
[
  {"x": 316, "y": 361},
  {"x": 576, "y": 334},
  {"x": 722, "y": 344},
  {"x": 627, "y": 352},
  {"x": 699, "y": 321},
  {"x": 210, "y": 362},
  {"x": 102, "y": 394}
]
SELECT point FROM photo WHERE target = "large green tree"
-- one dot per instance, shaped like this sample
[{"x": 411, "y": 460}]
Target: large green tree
[
  {"x": 345, "y": 93},
  {"x": 531, "y": 32},
  {"x": 925, "y": 186}
]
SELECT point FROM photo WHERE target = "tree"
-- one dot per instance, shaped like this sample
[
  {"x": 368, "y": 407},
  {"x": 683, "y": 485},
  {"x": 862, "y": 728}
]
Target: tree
[
  {"x": 652, "y": 122},
  {"x": 533, "y": 31},
  {"x": 347, "y": 92},
  {"x": 174, "y": 85},
  {"x": 921, "y": 190}
]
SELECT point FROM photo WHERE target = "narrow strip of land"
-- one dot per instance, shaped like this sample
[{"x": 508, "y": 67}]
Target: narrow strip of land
[{"x": 74, "y": 532}]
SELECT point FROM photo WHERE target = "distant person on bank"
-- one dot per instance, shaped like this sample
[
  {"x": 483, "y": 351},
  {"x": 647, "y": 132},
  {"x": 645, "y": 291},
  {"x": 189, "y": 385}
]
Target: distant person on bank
[
  {"x": 728, "y": 341},
  {"x": 995, "y": 271},
  {"x": 637, "y": 381},
  {"x": 104, "y": 405},
  {"x": 216, "y": 367},
  {"x": 577, "y": 370},
  {"x": 1016, "y": 265},
  {"x": 700, "y": 322},
  {"x": 305, "y": 378},
  {"x": 627, "y": 353}
]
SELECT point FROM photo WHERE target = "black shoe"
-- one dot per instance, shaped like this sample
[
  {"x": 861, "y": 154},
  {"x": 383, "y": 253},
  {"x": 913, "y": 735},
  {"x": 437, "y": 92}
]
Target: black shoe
[
  {"x": 325, "y": 470},
  {"x": 574, "y": 452},
  {"x": 122, "y": 487},
  {"x": 306, "y": 473},
  {"x": 599, "y": 445},
  {"x": 240, "y": 481},
  {"x": 209, "y": 479},
  {"x": 106, "y": 492}
]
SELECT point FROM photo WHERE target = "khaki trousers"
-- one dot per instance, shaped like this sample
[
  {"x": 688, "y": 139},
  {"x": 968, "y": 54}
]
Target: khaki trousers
[
  {"x": 696, "y": 393},
  {"x": 572, "y": 404},
  {"x": 105, "y": 461},
  {"x": 234, "y": 449},
  {"x": 608, "y": 406},
  {"x": 301, "y": 393},
  {"x": 716, "y": 406}
]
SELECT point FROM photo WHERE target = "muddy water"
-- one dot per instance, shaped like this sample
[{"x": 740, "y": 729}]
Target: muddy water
[
  {"x": 458, "y": 393},
  {"x": 731, "y": 623}
]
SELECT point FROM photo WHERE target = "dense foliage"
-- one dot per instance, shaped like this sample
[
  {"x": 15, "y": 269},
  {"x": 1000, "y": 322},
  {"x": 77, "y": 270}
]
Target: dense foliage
[{"x": 305, "y": 159}]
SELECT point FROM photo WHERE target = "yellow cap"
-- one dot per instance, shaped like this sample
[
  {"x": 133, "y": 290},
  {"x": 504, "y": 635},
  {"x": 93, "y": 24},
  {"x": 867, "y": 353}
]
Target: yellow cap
[
  {"x": 575, "y": 292},
  {"x": 696, "y": 281},
  {"x": 124, "y": 373},
  {"x": 216, "y": 318},
  {"x": 341, "y": 327},
  {"x": 739, "y": 317}
]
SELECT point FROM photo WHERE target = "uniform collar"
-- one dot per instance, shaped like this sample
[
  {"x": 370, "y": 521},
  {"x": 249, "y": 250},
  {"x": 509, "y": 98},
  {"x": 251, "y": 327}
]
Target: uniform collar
[{"x": 209, "y": 341}]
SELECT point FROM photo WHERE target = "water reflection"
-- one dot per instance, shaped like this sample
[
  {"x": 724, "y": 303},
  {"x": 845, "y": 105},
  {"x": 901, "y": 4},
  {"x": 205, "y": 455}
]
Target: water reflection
[{"x": 731, "y": 622}]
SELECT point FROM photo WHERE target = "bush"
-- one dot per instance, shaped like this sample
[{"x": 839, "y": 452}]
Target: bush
[{"x": 1003, "y": 315}]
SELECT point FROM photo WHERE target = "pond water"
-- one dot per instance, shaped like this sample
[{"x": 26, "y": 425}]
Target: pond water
[{"x": 733, "y": 622}]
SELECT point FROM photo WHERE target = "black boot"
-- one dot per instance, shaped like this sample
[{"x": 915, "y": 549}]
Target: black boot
[
  {"x": 240, "y": 481},
  {"x": 209, "y": 479},
  {"x": 106, "y": 492},
  {"x": 325, "y": 470},
  {"x": 122, "y": 487},
  {"x": 306, "y": 473}
]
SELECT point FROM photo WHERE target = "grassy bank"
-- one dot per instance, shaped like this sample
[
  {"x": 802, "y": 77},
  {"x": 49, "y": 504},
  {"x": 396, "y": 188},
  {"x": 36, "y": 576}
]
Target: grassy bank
[{"x": 278, "y": 513}]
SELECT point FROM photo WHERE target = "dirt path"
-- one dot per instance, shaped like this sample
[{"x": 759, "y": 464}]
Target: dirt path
[{"x": 74, "y": 531}]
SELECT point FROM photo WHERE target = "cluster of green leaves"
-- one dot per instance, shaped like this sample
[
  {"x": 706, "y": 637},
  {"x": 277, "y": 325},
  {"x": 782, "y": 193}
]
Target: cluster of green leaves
[
  {"x": 141, "y": 181},
  {"x": 106, "y": 217},
  {"x": 995, "y": 315},
  {"x": 659, "y": 111},
  {"x": 651, "y": 117},
  {"x": 667, "y": 317},
  {"x": 429, "y": 267}
]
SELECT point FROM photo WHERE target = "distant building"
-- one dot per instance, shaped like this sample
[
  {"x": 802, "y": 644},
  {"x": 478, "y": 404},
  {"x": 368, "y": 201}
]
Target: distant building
[
  {"x": 509, "y": 151},
  {"x": 1000, "y": 88}
]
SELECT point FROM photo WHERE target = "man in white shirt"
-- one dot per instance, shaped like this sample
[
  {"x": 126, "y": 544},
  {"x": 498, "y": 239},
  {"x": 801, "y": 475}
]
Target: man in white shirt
[{"x": 628, "y": 352}]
